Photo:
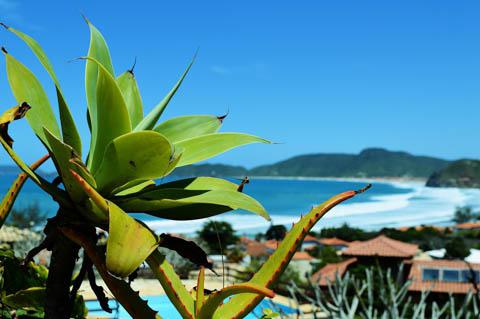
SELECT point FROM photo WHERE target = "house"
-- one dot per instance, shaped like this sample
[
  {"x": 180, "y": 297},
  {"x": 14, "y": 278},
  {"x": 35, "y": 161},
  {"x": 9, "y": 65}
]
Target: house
[
  {"x": 302, "y": 263},
  {"x": 328, "y": 273},
  {"x": 388, "y": 252},
  {"x": 468, "y": 226},
  {"x": 337, "y": 243},
  {"x": 310, "y": 242},
  {"x": 443, "y": 276}
]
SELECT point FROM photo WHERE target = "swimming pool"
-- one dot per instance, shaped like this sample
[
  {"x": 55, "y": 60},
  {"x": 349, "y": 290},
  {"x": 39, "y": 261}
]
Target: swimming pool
[{"x": 168, "y": 311}]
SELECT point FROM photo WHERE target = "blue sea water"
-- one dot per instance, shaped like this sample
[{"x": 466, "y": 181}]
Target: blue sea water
[{"x": 384, "y": 205}]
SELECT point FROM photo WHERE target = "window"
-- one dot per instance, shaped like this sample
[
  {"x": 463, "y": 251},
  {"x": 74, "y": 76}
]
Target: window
[
  {"x": 466, "y": 276},
  {"x": 451, "y": 275},
  {"x": 431, "y": 274}
]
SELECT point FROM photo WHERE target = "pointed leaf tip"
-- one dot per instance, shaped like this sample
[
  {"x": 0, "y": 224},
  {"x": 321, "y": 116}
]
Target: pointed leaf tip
[
  {"x": 133, "y": 67},
  {"x": 364, "y": 189},
  {"x": 222, "y": 117}
]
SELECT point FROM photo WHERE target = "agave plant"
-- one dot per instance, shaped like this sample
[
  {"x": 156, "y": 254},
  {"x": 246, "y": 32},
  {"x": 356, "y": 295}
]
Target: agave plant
[{"x": 128, "y": 154}]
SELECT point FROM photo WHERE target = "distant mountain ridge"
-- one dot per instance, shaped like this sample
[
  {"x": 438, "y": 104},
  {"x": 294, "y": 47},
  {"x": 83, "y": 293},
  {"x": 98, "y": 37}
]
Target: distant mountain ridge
[{"x": 371, "y": 162}]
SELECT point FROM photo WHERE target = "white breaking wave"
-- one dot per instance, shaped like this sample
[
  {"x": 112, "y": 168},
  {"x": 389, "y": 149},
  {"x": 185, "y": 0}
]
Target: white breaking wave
[{"x": 422, "y": 205}]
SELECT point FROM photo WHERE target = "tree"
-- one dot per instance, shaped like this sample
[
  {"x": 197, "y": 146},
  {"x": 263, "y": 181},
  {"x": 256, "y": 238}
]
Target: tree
[
  {"x": 326, "y": 255},
  {"x": 463, "y": 215},
  {"x": 346, "y": 232},
  {"x": 456, "y": 248},
  {"x": 27, "y": 217},
  {"x": 212, "y": 232},
  {"x": 276, "y": 232}
]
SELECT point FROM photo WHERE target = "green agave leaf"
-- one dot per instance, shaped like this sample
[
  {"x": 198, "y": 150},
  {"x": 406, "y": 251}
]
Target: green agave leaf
[
  {"x": 69, "y": 130},
  {"x": 9, "y": 199},
  {"x": 129, "y": 242},
  {"x": 207, "y": 146},
  {"x": 171, "y": 283},
  {"x": 133, "y": 187},
  {"x": 57, "y": 194},
  {"x": 201, "y": 183},
  {"x": 200, "y": 292},
  {"x": 216, "y": 299},
  {"x": 98, "y": 205},
  {"x": 34, "y": 298},
  {"x": 98, "y": 51},
  {"x": 111, "y": 117},
  {"x": 151, "y": 119},
  {"x": 187, "y": 204},
  {"x": 184, "y": 127},
  {"x": 128, "y": 85},
  {"x": 26, "y": 88},
  {"x": 240, "y": 306},
  {"x": 133, "y": 156},
  {"x": 130, "y": 300},
  {"x": 64, "y": 157}
]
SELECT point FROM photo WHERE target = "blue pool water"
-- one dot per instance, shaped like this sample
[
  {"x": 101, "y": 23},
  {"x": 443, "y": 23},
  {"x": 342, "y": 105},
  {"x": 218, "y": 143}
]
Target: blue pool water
[{"x": 168, "y": 311}]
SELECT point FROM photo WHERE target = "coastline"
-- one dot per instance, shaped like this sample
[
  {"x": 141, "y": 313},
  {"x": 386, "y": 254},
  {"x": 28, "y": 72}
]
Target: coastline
[{"x": 418, "y": 181}]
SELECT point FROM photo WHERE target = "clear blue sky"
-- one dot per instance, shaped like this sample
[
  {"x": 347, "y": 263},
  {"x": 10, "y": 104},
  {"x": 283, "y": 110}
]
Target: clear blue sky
[{"x": 318, "y": 76}]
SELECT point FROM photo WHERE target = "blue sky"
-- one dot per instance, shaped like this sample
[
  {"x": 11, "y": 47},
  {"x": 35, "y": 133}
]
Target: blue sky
[{"x": 317, "y": 76}]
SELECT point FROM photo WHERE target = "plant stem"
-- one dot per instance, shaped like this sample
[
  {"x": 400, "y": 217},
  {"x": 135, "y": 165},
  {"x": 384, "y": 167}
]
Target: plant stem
[{"x": 62, "y": 263}]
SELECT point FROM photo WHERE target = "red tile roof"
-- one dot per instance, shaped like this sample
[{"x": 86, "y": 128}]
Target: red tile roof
[
  {"x": 418, "y": 284},
  {"x": 334, "y": 241},
  {"x": 257, "y": 249},
  {"x": 381, "y": 246},
  {"x": 271, "y": 244},
  {"x": 246, "y": 240},
  {"x": 471, "y": 225},
  {"x": 301, "y": 255},
  {"x": 310, "y": 238},
  {"x": 327, "y": 274}
]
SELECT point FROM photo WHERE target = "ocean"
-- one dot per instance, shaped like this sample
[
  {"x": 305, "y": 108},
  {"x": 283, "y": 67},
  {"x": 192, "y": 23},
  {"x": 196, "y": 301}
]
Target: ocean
[{"x": 386, "y": 204}]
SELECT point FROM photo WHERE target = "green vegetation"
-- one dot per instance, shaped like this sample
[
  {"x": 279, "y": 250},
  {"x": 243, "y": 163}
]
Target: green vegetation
[
  {"x": 426, "y": 237},
  {"x": 276, "y": 232},
  {"x": 462, "y": 173},
  {"x": 22, "y": 288},
  {"x": 377, "y": 294},
  {"x": 373, "y": 162},
  {"x": 456, "y": 248},
  {"x": 464, "y": 215},
  {"x": 128, "y": 153},
  {"x": 326, "y": 255},
  {"x": 214, "y": 234}
]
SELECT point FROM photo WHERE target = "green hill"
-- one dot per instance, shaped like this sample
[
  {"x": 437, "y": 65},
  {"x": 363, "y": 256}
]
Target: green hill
[
  {"x": 461, "y": 173},
  {"x": 371, "y": 162}
]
